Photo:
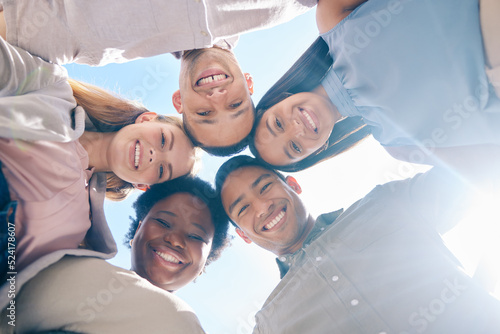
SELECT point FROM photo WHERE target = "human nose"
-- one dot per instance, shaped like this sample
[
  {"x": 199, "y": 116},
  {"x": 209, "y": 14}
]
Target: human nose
[
  {"x": 296, "y": 128},
  {"x": 157, "y": 155},
  {"x": 175, "y": 239},
  {"x": 152, "y": 155},
  {"x": 216, "y": 93},
  {"x": 262, "y": 207}
]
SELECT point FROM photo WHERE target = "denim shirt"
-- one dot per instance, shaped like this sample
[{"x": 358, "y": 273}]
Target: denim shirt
[
  {"x": 382, "y": 267},
  {"x": 415, "y": 71}
]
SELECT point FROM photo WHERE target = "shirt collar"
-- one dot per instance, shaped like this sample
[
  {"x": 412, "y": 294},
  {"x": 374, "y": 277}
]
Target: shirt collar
[{"x": 323, "y": 222}]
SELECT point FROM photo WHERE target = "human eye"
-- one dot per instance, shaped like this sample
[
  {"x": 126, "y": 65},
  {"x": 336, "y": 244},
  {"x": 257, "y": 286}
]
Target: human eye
[
  {"x": 162, "y": 222},
  {"x": 278, "y": 124},
  {"x": 197, "y": 238},
  {"x": 265, "y": 187},
  {"x": 295, "y": 147},
  {"x": 204, "y": 113},
  {"x": 235, "y": 105},
  {"x": 242, "y": 210},
  {"x": 162, "y": 139},
  {"x": 161, "y": 172}
]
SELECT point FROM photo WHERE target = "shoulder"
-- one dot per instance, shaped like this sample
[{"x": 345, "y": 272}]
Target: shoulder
[
  {"x": 330, "y": 12},
  {"x": 97, "y": 293}
]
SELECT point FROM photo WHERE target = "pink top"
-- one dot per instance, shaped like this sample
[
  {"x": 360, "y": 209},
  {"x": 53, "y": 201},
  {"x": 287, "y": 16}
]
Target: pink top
[{"x": 44, "y": 177}]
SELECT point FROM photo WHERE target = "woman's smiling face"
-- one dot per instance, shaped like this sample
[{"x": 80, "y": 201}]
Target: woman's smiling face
[
  {"x": 294, "y": 128},
  {"x": 150, "y": 152},
  {"x": 172, "y": 243}
]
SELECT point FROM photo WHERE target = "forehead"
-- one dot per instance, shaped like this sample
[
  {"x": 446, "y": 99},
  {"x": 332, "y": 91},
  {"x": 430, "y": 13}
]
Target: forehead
[
  {"x": 270, "y": 143},
  {"x": 183, "y": 205},
  {"x": 157, "y": 124},
  {"x": 222, "y": 129},
  {"x": 242, "y": 179}
]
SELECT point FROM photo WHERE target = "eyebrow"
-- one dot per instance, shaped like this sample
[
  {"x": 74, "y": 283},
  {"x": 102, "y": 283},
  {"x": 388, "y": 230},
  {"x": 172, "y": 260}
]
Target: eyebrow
[
  {"x": 253, "y": 185},
  {"x": 169, "y": 166},
  {"x": 269, "y": 128},
  {"x": 172, "y": 138},
  {"x": 288, "y": 153},
  {"x": 233, "y": 116},
  {"x": 200, "y": 227},
  {"x": 240, "y": 112},
  {"x": 170, "y": 213}
]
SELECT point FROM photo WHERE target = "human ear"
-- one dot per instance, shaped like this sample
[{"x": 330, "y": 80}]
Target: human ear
[
  {"x": 243, "y": 235},
  {"x": 137, "y": 229},
  {"x": 249, "y": 79},
  {"x": 176, "y": 101},
  {"x": 146, "y": 117},
  {"x": 292, "y": 183},
  {"x": 140, "y": 186}
]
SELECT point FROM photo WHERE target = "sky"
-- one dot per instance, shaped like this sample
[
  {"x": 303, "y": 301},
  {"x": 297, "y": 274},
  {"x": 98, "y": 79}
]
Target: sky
[{"x": 234, "y": 288}]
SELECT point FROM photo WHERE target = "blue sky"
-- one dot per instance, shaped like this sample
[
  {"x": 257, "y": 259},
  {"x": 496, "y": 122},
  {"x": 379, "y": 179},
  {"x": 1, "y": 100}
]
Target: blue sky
[{"x": 227, "y": 296}]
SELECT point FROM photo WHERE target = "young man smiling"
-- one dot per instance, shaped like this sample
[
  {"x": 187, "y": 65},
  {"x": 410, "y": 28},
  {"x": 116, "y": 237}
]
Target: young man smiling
[
  {"x": 378, "y": 267},
  {"x": 214, "y": 98}
]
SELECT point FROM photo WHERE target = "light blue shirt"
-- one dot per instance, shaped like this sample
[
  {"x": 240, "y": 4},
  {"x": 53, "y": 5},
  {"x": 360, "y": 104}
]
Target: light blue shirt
[
  {"x": 414, "y": 70},
  {"x": 382, "y": 267}
]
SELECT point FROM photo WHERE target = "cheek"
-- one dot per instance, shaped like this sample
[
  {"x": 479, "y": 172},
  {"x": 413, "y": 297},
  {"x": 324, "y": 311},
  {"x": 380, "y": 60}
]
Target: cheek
[
  {"x": 262, "y": 137},
  {"x": 200, "y": 254},
  {"x": 314, "y": 145}
]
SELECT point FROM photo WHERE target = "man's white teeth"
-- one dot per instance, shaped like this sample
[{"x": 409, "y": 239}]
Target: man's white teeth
[
  {"x": 309, "y": 119},
  {"x": 211, "y": 78},
  {"x": 275, "y": 221},
  {"x": 137, "y": 154},
  {"x": 168, "y": 258}
]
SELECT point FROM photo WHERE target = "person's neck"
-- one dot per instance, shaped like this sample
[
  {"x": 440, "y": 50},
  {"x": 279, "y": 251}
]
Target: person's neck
[
  {"x": 303, "y": 236},
  {"x": 97, "y": 144},
  {"x": 322, "y": 92}
]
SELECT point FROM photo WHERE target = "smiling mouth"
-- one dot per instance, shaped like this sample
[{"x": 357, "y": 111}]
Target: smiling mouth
[
  {"x": 275, "y": 221},
  {"x": 168, "y": 257},
  {"x": 310, "y": 122},
  {"x": 137, "y": 154},
  {"x": 210, "y": 79}
]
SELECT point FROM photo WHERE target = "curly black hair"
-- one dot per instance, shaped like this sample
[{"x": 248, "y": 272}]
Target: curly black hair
[{"x": 191, "y": 185}]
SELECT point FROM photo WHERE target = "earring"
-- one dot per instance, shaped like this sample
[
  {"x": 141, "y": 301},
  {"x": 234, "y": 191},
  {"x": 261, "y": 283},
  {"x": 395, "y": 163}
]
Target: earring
[
  {"x": 249, "y": 80},
  {"x": 143, "y": 188},
  {"x": 130, "y": 242}
]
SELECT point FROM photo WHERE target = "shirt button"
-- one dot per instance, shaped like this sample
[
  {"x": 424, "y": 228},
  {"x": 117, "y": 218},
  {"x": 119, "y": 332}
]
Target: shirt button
[
  {"x": 204, "y": 33},
  {"x": 282, "y": 259},
  {"x": 318, "y": 258},
  {"x": 382, "y": 333},
  {"x": 335, "y": 278},
  {"x": 354, "y": 302},
  {"x": 322, "y": 229}
]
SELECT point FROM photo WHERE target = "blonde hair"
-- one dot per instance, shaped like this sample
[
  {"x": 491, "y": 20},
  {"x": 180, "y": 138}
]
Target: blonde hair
[{"x": 110, "y": 113}]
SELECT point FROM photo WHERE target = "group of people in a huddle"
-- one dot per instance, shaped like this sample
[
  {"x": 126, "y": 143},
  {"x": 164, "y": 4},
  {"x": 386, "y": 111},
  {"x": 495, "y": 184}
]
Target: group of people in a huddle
[{"x": 420, "y": 76}]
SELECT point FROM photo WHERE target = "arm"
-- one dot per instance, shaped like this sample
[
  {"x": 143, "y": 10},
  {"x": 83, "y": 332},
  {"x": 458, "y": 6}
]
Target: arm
[
  {"x": 23, "y": 73},
  {"x": 331, "y": 12},
  {"x": 3, "y": 28},
  {"x": 490, "y": 26},
  {"x": 477, "y": 164},
  {"x": 439, "y": 198},
  {"x": 36, "y": 100}
]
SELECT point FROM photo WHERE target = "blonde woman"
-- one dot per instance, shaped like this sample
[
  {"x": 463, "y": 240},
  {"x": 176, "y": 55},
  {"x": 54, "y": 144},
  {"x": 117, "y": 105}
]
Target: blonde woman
[{"x": 61, "y": 139}]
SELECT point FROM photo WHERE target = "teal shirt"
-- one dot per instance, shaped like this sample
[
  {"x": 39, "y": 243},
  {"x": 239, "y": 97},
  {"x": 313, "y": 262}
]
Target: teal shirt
[{"x": 414, "y": 70}]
